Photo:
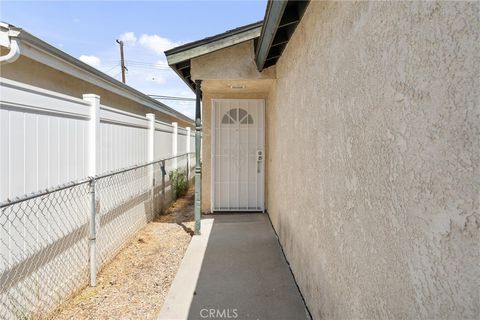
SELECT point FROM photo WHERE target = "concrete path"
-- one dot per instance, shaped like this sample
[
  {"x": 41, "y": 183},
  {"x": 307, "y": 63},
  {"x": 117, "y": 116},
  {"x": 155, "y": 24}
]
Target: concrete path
[{"x": 243, "y": 275}]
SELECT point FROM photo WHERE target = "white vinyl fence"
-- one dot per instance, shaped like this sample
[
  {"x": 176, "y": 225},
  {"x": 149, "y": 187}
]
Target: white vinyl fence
[{"x": 77, "y": 179}]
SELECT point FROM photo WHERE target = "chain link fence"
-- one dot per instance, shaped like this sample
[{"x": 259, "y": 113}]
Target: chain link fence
[{"x": 52, "y": 243}]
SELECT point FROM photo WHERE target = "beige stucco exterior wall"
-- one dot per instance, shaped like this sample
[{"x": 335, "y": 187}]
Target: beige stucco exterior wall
[
  {"x": 232, "y": 63},
  {"x": 374, "y": 137},
  {"x": 34, "y": 73}
]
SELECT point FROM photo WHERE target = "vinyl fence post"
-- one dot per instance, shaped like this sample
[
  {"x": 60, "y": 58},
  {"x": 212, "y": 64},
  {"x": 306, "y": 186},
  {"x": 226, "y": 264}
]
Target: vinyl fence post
[
  {"x": 174, "y": 145},
  {"x": 188, "y": 153},
  {"x": 151, "y": 155},
  {"x": 93, "y": 155}
]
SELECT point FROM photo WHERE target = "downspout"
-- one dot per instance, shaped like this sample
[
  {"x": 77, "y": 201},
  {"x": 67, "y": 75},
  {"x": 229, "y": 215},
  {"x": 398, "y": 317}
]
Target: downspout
[
  {"x": 198, "y": 165},
  {"x": 9, "y": 39}
]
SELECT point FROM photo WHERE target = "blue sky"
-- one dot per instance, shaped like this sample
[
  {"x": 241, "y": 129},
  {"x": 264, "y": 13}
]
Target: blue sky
[{"x": 87, "y": 30}]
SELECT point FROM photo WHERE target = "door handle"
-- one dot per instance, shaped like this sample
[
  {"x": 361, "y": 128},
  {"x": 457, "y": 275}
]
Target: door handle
[{"x": 259, "y": 159}]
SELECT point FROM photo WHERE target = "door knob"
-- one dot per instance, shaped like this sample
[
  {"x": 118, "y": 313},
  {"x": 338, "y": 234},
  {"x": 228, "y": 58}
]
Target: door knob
[{"x": 259, "y": 159}]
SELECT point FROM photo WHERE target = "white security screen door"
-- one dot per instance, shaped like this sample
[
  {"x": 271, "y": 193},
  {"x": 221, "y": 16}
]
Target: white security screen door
[{"x": 238, "y": 154}]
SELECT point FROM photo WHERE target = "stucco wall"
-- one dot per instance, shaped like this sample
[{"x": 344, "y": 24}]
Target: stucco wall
[
  {"x": 374, "y": 159},
  {"x": 34, "y": 73},
  {"x": 233, "y": 63}
]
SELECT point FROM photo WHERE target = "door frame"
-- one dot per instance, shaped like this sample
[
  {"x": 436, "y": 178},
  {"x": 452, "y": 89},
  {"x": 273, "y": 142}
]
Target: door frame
[{"x": 213, "y": 156}]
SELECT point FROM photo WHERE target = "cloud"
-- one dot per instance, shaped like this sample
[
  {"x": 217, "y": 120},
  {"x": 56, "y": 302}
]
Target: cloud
[
  {"x": 156, "y": 43},
  {"x": 91, "y": 60},
  {"x": 148, "y": 70},
  {"x": 128, "y": 38}
]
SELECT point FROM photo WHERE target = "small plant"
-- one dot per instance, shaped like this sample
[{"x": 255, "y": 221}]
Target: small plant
[{"x": 179, "y": 183}]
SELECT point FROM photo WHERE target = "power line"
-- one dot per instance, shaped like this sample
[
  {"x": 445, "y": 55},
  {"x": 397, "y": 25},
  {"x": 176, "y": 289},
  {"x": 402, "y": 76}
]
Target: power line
[
  {"x": 137, "y": 64},
  {"x": 176, "y": 98},
  {"x": 112, "y": 68},
  {"x": 146, "y": 64}
]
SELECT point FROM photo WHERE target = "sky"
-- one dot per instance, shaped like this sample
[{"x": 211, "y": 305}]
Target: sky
[{"x": 87, "y": 30}]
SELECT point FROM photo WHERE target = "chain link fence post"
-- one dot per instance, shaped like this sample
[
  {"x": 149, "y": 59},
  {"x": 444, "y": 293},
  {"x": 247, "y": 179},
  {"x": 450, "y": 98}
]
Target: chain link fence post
[
  {"x": 188, "y": 153},
  {"x": 151, "y": 156},
  {"x": 198, "y": 163},
  {"x": 93, "y": 235},
  {"x": 93, "y": 161},
  {"x": 164, "y": 173}
]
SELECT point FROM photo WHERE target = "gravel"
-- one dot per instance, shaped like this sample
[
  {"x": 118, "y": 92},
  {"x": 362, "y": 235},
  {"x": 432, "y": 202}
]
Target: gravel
[{"x": 135, "y": 283}]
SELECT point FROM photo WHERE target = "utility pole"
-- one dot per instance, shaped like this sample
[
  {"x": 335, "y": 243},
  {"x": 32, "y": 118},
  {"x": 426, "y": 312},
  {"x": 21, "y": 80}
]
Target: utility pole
[{"x": 122, "y": 61}]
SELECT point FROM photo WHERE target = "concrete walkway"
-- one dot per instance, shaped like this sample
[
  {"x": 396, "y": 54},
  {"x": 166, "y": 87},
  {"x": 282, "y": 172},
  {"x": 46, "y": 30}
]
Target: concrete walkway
[{"x": 243, "y": 274}]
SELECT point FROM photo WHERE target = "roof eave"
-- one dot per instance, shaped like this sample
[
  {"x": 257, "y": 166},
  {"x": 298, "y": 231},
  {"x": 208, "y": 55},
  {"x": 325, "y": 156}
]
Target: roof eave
[
  {"x": 273, "y": 15},
  {"x": 217, "y": 37},
  {"x": 213, "y": 46},
  {"x": 190, "y": 83},
  {"x": 281, "y": 20},
  {"x": 205, "y": 46}
]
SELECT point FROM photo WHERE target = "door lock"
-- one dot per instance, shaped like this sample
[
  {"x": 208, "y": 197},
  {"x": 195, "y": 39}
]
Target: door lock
[
  {"x": 259, "y": 159},
  {"x": 259, "y": 155}
]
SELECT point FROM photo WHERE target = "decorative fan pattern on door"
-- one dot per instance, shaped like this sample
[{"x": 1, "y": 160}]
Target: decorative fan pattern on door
[{"x": 235, "y": 115}]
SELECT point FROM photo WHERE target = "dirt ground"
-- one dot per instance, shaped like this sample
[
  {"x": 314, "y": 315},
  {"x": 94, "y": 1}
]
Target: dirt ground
[{"x": 134, "y": 284}]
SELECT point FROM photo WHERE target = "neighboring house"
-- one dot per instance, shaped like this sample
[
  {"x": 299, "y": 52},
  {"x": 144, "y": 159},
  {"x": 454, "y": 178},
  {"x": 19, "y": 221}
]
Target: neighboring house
[
  {"x": 356, "y": 127},
  {"x": 44, "y": 66}
]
